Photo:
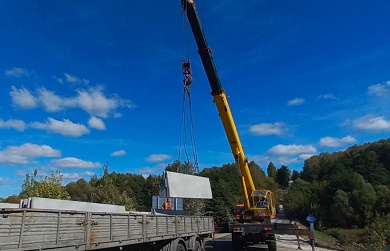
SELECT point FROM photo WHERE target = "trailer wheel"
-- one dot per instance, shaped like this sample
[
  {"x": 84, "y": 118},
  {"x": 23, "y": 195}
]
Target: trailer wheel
[
  {"x": 180, "y": 247},
  {"x": 272, "y": 245},
  {"x": 198, "y": 246}
]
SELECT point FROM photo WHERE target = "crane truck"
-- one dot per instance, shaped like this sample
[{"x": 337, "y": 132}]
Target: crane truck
[{"x": 254, "y": 216}]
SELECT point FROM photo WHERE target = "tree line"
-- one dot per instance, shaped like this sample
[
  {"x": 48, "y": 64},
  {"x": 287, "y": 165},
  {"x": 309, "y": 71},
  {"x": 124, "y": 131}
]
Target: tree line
[{"x": 347, "y": 189}]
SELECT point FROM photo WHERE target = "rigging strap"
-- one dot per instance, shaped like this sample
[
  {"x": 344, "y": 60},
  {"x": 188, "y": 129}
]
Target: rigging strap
[{"x": 186, "y": 65}]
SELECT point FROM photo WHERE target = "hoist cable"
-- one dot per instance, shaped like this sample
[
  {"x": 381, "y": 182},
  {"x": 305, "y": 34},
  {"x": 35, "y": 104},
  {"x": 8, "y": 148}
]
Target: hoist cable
[
  {"x": 186, "y": 93},
  {"x": 183, "y": 133},
  {"x": 194, "y": 152}
]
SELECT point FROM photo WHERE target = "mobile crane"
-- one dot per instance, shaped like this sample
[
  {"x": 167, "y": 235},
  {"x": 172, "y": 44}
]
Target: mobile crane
[{"x": 259, "y": 205}]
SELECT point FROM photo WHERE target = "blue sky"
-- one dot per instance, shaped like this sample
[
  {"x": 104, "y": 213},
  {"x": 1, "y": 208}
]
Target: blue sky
[{"x": 90, "y": 82}]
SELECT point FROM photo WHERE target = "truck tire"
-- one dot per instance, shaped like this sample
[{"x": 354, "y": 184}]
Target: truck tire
[
  {"x": 237, "y": 242},
  {"x": 198, "y": 246},
  {"x": 272, "y": 245},
  {"x": 180, "y": 247}
]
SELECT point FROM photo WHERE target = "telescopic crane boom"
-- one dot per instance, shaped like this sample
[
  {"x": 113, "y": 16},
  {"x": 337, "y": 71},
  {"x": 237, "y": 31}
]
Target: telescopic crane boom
[{"x": 252, "y": 197}]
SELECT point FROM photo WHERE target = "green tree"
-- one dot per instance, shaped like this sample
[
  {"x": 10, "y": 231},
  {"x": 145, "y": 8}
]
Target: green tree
[
  {"x": 108, "y": 193},
  {"x": 367, "y": 164},
  {"x": 379, "y": 230},
  {"x": 311, "y": 168},
  {"x": 295, "y": 175},
  {"x": 152, "y": 187},
  {"x": 382, "y": 204},
  {"x": 133, "y": 185},
  {"x": 340, "y": 210},
  {"x": 81, "y": 190},
  {"x": 226, "y": 187},
  {"x": 297, "y": 201},
  {"x": 11, "y": 199},
  {"x": 258, "y": 175},
  {"x": 271, "y": 170},
  {"x": 47, "y": 187},
  {"x": 283, "y": 176}
]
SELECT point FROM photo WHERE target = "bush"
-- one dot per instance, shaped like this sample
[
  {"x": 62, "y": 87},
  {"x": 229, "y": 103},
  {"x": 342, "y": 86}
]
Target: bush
[{"x": 347, "y": 237}]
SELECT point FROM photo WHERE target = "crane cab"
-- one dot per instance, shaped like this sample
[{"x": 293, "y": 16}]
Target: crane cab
[
  {"x": 262, "y": 208},
  {"x": 263, "y": 205}
]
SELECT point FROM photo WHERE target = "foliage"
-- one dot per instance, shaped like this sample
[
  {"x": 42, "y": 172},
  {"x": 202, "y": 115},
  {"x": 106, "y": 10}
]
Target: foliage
[
  {"x": 107, "y": 192},
  {"x": 283, "y": 176},
  {"x": 271, "y": 170},
  {"x": 81, "y": 190},
  {"x": 353, "y": 186},
  {"x": 379, "y": 230},
  {"x": 133, "y": 185},
  {"x": 295, "y": 175},
  {"x": 11, "y": 199},
  {"x": 152, "y": 187},
  {"x": 226, "y": 188},
  {"x": 47, "y": 187},
  {"x": 301, "y": 200},
  {"x": 349, "y": 239}
]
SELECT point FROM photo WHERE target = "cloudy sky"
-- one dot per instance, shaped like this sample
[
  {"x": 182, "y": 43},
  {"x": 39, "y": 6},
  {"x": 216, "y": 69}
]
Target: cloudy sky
[{"x": 86, "y": 83}]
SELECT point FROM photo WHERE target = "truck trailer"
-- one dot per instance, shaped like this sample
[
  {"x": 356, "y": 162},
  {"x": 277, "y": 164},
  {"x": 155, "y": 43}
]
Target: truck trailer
[{"x": 23, "y": 229}]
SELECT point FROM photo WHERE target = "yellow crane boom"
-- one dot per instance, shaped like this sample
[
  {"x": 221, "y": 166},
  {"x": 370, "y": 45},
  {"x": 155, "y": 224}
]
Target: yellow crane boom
[{"x": 255, "y": 206}]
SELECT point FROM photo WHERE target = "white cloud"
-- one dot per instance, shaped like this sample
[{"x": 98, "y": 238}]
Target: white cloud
[
  {"x": 157, "y": 157},
  {"x": 65, "y": 127},
  {"x": 295, "y": 101},
  {"x": 146, "y": 171},
  {"x": 96, "y": 123},
  {"x": 268, "y": 129},
  {"x": 75, "y": 80},
  {"x": 379, "y": 89},
  {"x": 305, "y": 156},
  {"x": 50, "y": 101},
  {"x": 93, "y": 101},
  {"x": 327, "y": 96},
  {"x": 118, "y": 153},
  {"x": 23, "y": 98},
  {"x": 97, "y": 104},
  {"x": 22, "y": 154},
  {"x": 71, "y": 162},
  {"x": 17, "y": 72},
  {"x": 13, "y": 124},
  {"x": 2, "y": 181},
  {"x": 291, "y": 150},
  {"x": 371, "y": 123},
  {"x": 280, "y": 159},
  {"x": 76, "y": 176},
  {"x": 336, "y": 142}
]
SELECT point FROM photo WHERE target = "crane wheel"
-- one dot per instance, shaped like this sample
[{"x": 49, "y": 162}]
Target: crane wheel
[{"x": 272, "y": 245}]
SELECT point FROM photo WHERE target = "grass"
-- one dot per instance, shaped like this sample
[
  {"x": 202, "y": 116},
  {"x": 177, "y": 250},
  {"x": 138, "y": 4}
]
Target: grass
[{"x": 347, "y": 239}]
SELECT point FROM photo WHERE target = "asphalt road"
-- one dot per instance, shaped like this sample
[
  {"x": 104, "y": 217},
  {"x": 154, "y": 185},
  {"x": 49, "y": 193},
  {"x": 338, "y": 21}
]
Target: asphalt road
[{"x": 222, "y": 242}]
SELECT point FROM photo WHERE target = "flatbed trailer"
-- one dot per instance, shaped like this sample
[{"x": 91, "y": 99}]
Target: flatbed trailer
[{"x": 24, "y": 229}]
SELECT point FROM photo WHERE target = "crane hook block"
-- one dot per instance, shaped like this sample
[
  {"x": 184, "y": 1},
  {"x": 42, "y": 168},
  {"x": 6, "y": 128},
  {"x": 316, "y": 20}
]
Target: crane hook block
[{"x": 186, "y": 67}]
